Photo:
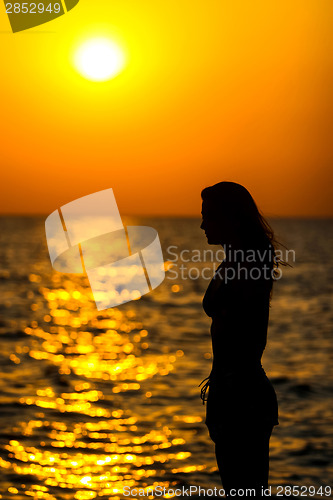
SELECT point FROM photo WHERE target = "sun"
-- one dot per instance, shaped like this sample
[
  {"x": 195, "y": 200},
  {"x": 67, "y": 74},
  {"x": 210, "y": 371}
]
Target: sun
[{"x": 99, "y": 59}]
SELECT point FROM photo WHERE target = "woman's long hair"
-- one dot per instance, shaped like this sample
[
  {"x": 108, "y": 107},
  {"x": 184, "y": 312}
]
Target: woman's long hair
[{"x": 233, "y": 202}]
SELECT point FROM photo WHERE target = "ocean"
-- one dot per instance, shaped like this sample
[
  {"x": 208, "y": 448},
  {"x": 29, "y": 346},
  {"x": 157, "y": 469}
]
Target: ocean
[{"x": 97, "y": 403}]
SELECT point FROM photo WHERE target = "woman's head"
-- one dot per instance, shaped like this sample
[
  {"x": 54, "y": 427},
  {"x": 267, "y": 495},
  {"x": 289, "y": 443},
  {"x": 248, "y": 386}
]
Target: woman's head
[{"x": 231, "y": 216}]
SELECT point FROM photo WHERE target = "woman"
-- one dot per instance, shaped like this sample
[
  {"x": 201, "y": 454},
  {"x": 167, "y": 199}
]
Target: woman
[{"x": 242, "y": 407}]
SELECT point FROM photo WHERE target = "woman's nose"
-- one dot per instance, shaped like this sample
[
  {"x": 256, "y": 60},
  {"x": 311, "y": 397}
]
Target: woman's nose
[{"x": 202, "y": 225}]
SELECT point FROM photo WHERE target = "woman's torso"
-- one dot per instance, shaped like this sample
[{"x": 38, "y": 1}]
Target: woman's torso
[{"x": 238, "y": 386}]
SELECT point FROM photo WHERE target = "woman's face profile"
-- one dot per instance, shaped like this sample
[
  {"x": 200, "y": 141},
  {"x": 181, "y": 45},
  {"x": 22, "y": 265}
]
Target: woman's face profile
[
  {"x": 217, "y": 228},
  {"x": 210, "y": 225}
]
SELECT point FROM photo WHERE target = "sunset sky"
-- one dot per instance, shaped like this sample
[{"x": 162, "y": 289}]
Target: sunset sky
[{"x": 211, "y": 91}]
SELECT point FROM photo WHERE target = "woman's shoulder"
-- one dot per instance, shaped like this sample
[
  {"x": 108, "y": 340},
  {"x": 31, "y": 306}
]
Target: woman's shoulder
[
  {"x": 215, "y": 293},
  {"x": 237, "y": 284}
]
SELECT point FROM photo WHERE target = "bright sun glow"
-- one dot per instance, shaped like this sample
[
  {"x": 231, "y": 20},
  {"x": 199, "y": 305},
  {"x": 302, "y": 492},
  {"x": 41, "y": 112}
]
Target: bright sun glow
[{"x": 99, "y": 59}]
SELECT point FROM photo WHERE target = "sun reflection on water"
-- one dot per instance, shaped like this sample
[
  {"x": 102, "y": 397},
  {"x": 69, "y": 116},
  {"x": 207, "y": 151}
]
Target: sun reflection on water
[{"x": 91, "y": 441}]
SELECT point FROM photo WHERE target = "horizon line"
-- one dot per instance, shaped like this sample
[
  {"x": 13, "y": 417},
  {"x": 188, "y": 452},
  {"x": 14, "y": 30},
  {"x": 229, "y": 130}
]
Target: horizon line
[{"x": 172, "y": 216}]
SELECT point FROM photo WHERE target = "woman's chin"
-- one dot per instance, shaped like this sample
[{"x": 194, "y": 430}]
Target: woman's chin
[{"x": 212, "y": 241}]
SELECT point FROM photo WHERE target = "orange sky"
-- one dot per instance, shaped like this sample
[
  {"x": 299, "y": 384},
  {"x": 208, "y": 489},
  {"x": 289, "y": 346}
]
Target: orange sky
[{"x": 212, "y": 91}]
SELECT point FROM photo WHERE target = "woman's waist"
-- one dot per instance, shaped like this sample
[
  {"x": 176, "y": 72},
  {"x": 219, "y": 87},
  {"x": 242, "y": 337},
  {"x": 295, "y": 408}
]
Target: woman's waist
[{"x": 232, "y": 370}]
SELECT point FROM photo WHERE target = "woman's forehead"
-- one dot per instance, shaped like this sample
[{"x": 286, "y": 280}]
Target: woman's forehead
[
  {"x": 208, "y": 206},
  {"x": 216, "y": 211}
]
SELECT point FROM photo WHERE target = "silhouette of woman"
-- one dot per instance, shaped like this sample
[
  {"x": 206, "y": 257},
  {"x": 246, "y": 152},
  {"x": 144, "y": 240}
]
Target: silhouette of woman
[{"x": 241, "y": 407}]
